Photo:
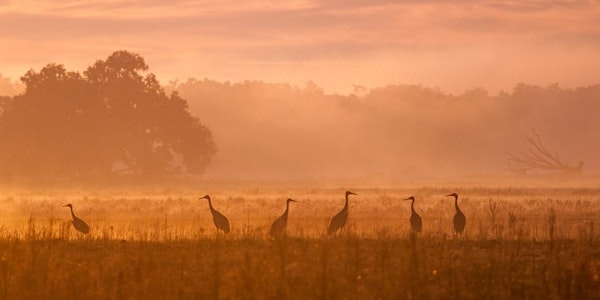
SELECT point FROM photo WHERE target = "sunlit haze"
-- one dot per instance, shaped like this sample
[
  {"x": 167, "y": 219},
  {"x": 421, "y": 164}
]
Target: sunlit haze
[
  {"x": 453, "y": 45},
  {"x": 264, "y": 149}
]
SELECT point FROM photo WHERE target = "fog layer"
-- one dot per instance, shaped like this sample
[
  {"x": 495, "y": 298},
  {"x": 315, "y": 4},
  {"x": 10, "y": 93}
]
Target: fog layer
[{"x": 278, "y": 131}]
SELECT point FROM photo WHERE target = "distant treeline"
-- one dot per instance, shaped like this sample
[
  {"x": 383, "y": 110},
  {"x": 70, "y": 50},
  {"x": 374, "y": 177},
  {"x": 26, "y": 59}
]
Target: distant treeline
[
  {"x": 267, "y": 130},
  {"x": 115, "y": 118}
]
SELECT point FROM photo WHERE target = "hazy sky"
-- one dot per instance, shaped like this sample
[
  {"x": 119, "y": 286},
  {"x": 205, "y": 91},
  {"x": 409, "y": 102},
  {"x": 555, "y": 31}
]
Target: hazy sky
[{"x": 453, "y": 45}]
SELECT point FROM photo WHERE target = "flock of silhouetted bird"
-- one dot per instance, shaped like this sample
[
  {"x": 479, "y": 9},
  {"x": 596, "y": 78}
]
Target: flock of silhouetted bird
[{"x": 280, "y": 225}]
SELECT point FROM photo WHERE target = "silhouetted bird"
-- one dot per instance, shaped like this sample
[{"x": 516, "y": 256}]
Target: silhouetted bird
[
  {"x": 415, "y": 220},
  {"x": 338, "y": 221},
  {"x": 78, "y": 223},
  {"x": 459, "y": 218},
  {"x": 280, "y": 225},
  {"x": 219, "y": 219}
]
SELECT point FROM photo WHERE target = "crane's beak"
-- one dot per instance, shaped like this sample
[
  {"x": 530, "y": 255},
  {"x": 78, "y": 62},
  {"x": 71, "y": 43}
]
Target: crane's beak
[{"x": 409, "y": 198}]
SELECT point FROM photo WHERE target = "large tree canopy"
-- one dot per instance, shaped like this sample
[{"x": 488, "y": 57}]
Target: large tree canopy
[{"x": 112, "y": 119}]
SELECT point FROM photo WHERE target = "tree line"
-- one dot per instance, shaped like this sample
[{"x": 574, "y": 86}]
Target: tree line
[
  {"x": 279, "y": 130},
  {"x": 115, "y": 119}
]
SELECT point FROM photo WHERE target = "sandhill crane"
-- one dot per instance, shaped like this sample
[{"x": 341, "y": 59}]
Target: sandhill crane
[
  {"x": 338, "y": 221},
  {"x": 459, "y": 218},
  {"x": 415, "y": 220},
  {"x": 280, "y": 225},
  {"x": 219, "y": 219},
  {"x": 78, "y": 223}
]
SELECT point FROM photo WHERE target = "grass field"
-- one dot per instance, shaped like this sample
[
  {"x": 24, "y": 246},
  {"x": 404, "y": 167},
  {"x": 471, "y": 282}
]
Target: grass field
[{"x": 526, "y": 242}]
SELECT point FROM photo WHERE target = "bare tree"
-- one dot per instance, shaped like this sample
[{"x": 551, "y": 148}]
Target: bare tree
[{"x": 538, "y": 158}]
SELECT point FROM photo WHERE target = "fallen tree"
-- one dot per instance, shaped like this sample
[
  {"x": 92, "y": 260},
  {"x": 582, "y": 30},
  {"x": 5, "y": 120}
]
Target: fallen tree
[{"x": 539, "y": 159}]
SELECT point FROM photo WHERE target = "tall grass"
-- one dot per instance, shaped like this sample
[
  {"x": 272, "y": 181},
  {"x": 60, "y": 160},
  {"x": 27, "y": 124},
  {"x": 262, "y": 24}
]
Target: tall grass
[{"x": 518, "y": 244}]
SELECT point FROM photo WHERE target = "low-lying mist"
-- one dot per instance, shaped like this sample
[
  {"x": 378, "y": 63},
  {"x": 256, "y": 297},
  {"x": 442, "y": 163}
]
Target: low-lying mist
[{"x": 278, "y": 131}]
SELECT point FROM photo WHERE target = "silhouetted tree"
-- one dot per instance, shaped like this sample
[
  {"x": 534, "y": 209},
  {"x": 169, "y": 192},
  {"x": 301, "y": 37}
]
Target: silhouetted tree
[{"x": 110, "y": 120}]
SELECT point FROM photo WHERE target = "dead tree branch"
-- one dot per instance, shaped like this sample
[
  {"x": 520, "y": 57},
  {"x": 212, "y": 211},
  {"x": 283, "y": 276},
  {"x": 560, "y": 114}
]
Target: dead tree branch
[{"x": 539, "y": 158}]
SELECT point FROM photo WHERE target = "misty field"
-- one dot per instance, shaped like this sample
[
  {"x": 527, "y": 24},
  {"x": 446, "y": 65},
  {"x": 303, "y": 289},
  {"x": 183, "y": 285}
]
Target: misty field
[{"x": 520, "y": 242}]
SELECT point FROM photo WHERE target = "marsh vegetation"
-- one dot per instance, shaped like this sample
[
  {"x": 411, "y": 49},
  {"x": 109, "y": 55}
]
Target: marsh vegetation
[{"x": 518, "y": 242}]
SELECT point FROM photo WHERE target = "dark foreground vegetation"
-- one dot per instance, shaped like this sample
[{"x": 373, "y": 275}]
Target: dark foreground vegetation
[
  {"x": 519, "y": 243},
  {"x": 338, "y": 268}
]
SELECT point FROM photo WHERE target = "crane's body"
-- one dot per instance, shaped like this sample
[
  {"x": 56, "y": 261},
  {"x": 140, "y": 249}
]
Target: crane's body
[
  {"x": 416, "y": 224},
  {"x": 219, "y": 219},
  {"x": 279, "y": 227},
  {"x": 78, "y": 223},
  {"x": 339, "y": 220},
  {"x": 460, "y": 221}
]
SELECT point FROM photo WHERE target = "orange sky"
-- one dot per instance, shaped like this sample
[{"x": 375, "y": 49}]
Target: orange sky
[{"x": 454, "y": 45}]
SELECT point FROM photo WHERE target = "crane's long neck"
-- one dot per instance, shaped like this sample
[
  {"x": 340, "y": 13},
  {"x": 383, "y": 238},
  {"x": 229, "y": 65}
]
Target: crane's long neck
[
  {"x": 456, "y": 203},
  {"x": 287, "y": 208},
  {"x": 412, "y": 205},
  {"x": 210, "y": 205},
  {"x": 72, "y": 214},
  {"x": 346, "y": 204}
]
